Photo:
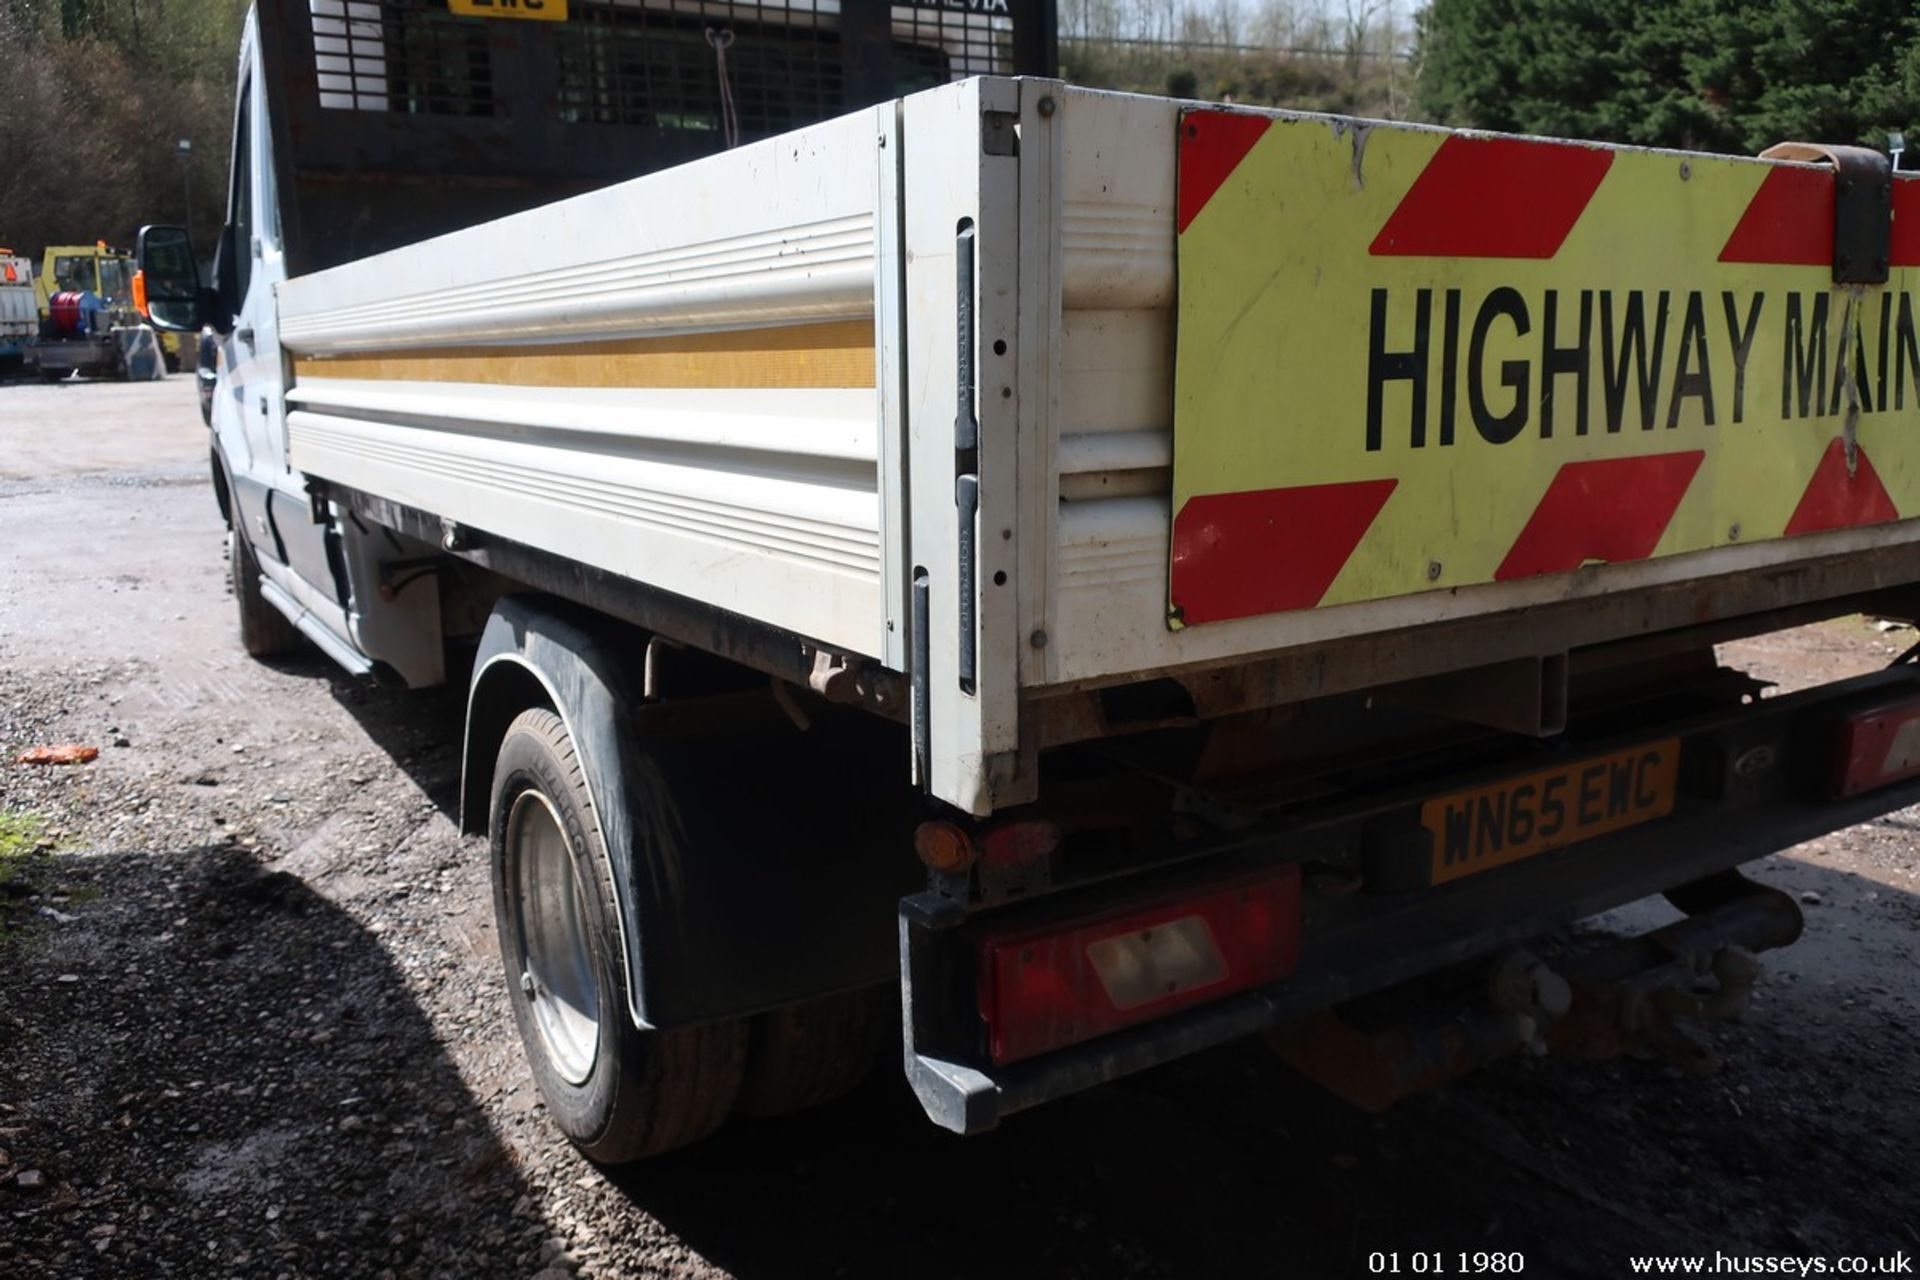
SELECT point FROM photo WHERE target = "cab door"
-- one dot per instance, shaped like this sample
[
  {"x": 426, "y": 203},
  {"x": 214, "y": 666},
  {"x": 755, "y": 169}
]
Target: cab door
[{"x": 250, "y": 412}]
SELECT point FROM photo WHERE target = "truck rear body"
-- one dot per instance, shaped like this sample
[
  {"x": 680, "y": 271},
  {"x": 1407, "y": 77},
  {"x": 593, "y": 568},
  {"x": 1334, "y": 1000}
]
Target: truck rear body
[
  {"x": 1287, "y": 551},
  {"x": 1367, "y": 410}
]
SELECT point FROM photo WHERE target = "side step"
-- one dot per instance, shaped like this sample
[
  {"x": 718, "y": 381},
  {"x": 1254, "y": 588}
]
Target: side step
[{"x": 330, "y": 643}]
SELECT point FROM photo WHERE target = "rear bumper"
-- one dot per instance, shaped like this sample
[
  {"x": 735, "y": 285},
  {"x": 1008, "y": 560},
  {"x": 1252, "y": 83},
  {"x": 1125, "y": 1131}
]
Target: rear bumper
[{"x": 1361, "y": 943}]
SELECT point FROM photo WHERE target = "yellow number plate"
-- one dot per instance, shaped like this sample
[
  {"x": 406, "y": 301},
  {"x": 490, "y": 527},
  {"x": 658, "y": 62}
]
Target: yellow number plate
[
  {"x": 1516, "y": 818},
  {"x": 545, "y": 10}
]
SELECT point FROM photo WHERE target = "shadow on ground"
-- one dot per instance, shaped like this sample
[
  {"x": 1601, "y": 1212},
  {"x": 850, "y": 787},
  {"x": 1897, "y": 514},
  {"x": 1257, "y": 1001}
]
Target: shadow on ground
[
  {"x": 419, "y": 730},
  {"x": 1228, "y": 1165},
  {"x": 218, "y": 1072}
]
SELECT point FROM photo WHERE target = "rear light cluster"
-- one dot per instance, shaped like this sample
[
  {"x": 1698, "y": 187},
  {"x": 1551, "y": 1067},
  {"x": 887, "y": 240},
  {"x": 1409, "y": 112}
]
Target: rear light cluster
[
  {"x": 1046, "y": 987},
  {"x": 1877, "y": 745}
]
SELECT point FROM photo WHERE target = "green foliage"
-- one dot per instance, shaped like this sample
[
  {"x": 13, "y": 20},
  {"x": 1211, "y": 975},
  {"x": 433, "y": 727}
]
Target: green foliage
[
  {"x": 94, "y": 97},
  {"x": 22, "y": 843},
  {"x": 1712, "y": 75},
  {"x": 1251, "y": 77},
  {"x": 20, "y": 835}
]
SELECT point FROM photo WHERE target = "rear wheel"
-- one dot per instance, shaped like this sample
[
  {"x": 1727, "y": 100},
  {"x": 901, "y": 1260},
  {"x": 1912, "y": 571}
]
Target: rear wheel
[
  {"x": 617, "y": 1091},
  {"x": 807, "y": 1054},
  {"x": 264, "y": 630}
]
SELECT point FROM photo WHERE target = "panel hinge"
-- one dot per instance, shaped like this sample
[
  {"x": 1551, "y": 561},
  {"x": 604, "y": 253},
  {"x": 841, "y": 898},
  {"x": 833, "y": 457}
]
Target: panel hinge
[{"x": 1862, "y": 207}]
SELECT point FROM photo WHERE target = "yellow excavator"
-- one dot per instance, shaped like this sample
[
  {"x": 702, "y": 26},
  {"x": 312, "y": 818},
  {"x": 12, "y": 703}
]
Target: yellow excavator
[{"x": 93, "y": 318}]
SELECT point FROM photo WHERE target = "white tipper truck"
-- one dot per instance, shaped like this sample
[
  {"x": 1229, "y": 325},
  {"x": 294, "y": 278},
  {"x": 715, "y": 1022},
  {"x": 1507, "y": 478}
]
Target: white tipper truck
[{"x": 1072, "y": 577}]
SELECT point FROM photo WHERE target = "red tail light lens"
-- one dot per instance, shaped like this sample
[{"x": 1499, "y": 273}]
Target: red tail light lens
[
  {"x": 1054, "y": 985},
  {"x": 1878, "y": 745}
]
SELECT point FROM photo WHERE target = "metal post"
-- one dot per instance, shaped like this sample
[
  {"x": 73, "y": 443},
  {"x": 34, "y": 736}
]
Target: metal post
[{"x": 184, "y": 150}]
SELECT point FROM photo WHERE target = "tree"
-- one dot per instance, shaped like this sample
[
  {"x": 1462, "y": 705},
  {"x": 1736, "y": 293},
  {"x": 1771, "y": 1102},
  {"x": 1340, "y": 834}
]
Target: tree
[
  {"x": 1713, "y": 75},
  {"x": 94, "y": 98}
]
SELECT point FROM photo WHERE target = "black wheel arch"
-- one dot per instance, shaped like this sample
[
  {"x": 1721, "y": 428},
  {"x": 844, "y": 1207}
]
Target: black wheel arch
[{"x": 768, "y": 867}]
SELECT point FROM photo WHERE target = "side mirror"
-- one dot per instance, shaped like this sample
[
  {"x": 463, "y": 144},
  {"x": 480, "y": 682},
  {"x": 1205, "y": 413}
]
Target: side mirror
[
  {"x": 175, "y": 299},
  {"x": 222, "y": 301}
]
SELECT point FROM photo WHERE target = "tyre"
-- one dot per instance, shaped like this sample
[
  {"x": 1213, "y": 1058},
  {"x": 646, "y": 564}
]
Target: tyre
[
  {"x": 807, "y": 1054},
  {"x": 619, "y": 1092},
  {"x": 264, "y": 630}
]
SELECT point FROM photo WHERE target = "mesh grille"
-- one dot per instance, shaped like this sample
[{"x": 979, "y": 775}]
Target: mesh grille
[
  {"x": 391, "y": 55},
  {"x": 933, "y": 45},
  {"x": 654, "y": 65}
]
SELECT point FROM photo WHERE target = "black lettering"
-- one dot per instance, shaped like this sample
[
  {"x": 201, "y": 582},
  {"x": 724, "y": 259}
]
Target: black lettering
[
  {"x": 1457, "y": 834},
  {"x": 1520, "y": 817},
  {"x": 1645, "y": 794},
  {"x": 1886, "y": 348},
  {"x": 1632, "y": 340},
  {"x": 1384, "y": 366},
  {"x": 1742, "y": 346},
  {"x": 1514, "y": 374},
  {"x": 1450, "y": 366},
  {"x": 1490, "y": 830},
  {"x": 1590, "y": 797},
  {"x": 1803, "y": 367},
  {"x": 1693, "y": 349},
  {"x": 1906, "y": 355},
  {"x": 1619, "y": 788},
  {"x": 1555, "y": 361},
  {"x": 1856, "y": 344},
  {"x": 1863, "y": 386},
  {"x": 1553, "y": 810}
]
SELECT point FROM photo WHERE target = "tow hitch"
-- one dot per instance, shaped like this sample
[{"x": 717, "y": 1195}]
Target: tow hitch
[{"x": 1634, "y": 994}]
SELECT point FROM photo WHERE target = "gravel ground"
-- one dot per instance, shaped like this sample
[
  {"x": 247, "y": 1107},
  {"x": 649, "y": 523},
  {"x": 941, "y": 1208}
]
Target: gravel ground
[{"x": 251, "y": 1020}]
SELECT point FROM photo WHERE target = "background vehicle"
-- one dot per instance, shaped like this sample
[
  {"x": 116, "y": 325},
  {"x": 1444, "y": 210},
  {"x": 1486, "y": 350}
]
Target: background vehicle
[
  {"x": 18, "y": 315},
  {"x": 1121, "y": 573},
  {"x": 91, "y": 320}
]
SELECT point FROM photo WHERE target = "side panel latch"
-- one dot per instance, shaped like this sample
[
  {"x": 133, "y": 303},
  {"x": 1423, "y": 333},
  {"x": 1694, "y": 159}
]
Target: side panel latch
[{"x": 1862, "y": 207}]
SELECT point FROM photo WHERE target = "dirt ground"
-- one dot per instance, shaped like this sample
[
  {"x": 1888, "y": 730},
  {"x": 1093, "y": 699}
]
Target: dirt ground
[{"x": 251, "y": 1022}]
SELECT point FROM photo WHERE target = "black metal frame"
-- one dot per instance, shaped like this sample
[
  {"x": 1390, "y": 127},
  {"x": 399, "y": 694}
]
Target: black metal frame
[{"x": 355, "y": 182}]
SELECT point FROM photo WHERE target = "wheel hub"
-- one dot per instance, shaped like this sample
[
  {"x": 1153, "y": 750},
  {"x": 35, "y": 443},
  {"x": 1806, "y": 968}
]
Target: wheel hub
[{"x": 557, "y": 972}]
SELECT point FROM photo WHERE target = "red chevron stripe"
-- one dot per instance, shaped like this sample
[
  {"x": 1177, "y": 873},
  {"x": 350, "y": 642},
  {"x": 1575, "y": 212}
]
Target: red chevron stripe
[
  {"x": 1905, "y": 249},
  {"x": 1268, "y": 550},
  {"x": 1494, "y": 198},
  {"x": 1836, "y": 500},
  {"x": 1789, "y": 221},
  {"x": 1212, "y": 145},
  {"x": 1610, "y": 509}
]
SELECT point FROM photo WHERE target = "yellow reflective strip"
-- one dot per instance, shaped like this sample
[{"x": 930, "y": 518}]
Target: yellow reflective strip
[{"x": 837, "y": 354}]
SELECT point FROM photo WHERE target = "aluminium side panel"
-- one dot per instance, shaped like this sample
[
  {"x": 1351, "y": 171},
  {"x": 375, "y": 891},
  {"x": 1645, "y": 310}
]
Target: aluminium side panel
[{"x": 677, "y": 379}]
